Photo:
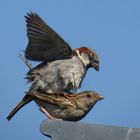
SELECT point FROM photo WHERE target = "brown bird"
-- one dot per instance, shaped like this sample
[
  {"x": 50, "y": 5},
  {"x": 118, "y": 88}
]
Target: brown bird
[
  {"x": 62, "y": 69},
  {"x": 73, "y": 109},
  {"x": 60, "y": 107}
]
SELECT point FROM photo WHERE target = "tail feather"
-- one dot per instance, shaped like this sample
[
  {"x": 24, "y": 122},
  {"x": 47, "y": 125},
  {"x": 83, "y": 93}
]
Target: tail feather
[{"x": 26, "y": 99}]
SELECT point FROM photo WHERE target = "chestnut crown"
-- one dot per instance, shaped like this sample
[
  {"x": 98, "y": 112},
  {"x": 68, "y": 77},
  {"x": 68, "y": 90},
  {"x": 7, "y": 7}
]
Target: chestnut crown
[{"x": 89, "y": 57}]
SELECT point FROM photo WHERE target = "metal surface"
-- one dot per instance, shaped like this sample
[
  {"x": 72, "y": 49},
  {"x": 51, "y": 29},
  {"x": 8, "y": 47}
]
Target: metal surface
[{"x": 64, "y": 130}]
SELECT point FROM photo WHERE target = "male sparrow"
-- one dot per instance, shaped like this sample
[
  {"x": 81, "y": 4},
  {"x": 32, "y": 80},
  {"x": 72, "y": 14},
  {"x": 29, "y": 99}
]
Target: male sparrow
[{"x": 62, "y": 69}]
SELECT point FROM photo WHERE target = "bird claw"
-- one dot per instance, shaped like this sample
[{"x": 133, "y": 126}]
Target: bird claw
[{"x": 68, "y": 96}]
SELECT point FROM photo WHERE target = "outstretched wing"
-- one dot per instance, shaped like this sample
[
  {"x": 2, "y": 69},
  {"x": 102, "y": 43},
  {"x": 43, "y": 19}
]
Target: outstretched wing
[{"x": 44, "y": 43}]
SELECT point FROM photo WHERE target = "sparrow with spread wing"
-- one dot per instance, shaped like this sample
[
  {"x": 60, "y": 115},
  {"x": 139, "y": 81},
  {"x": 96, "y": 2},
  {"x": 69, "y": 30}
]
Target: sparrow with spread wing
[{"x": 62, "y": 69}]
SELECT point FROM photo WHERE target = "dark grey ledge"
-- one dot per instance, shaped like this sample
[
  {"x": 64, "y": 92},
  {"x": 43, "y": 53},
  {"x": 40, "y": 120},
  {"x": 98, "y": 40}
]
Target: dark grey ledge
[{"x": 64, "y": 130}]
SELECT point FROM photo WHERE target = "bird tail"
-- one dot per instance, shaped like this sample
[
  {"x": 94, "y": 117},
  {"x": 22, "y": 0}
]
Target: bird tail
[{"x": 26, "y": 99}]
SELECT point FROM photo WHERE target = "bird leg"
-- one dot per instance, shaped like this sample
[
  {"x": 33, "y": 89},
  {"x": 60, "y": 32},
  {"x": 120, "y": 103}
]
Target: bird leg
[
  {"x": 68, "y": 95},
  {"x": 47, "y": 114}
]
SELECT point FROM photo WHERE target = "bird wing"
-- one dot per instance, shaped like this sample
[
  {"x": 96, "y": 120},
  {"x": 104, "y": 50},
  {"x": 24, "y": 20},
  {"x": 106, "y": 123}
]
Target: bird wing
[
  {"x": 44, "y": 43},
  {"x": 52, "y": 98}
]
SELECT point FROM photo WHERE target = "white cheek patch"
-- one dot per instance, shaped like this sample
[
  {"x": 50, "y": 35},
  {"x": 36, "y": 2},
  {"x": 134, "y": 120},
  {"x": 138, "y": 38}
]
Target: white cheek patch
[{"x": 83, "y": 57}]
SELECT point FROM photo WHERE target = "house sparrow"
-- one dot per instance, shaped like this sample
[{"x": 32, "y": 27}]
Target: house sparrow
[
  {"x": 73, "y": 109},
  {"x": 60, "y": 107},
  {"x": 62, "y": 69}
]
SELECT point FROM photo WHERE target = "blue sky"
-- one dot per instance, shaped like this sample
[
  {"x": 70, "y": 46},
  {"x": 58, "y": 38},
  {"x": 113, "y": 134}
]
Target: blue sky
[{"x": 112, "y": 28}]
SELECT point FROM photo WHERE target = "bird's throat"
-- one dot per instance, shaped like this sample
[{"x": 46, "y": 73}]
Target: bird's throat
[{"x": 82, "y": 59}]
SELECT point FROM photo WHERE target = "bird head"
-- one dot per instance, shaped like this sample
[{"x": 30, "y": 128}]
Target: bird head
[
  {"x": 91, "y": 95},
  {"x": 86, "y": 101},
  {"x": 89, "y": 57},
  {"x": 94, "y": 96}
]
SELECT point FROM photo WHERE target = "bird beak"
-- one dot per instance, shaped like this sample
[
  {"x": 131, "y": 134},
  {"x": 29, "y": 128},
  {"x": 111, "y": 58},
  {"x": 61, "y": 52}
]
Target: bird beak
[
  {"x": 96, "y": 66},
  {"x": 99, "y": 97}
]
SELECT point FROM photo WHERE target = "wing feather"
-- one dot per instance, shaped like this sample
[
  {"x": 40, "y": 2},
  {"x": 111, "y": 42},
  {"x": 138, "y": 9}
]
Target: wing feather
[{"x": 44, "y": 43}]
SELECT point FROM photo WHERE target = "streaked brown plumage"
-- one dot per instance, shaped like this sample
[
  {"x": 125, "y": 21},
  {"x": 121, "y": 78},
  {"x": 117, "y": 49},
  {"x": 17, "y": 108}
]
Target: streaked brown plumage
[
  {"x": 60, "y": 107},
  {"x": 73, "y": 109}
]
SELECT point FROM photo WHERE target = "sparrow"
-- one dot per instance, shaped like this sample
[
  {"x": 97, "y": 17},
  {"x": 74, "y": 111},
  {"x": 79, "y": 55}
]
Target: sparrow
[
  {"x": 59, "y": 107},
  {"x": 61, "y": 69}
]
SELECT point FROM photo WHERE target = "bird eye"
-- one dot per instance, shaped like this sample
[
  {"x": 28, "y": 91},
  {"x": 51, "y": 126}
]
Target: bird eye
[
  {"x": 89, "y": 96},
  {"x": 90, "y": 57}
]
